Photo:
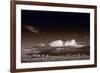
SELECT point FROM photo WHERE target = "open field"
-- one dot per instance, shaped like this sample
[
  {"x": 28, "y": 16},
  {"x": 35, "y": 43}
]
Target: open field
[
  {"x": 46, "y": 54},
  {"x": 54, "y": 58}
]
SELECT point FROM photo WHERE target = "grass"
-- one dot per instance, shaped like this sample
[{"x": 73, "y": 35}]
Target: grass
[{"x": 53, "y": 54}]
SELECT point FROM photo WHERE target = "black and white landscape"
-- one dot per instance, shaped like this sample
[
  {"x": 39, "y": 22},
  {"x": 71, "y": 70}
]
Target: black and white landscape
[{"x": 54, "y": 36}]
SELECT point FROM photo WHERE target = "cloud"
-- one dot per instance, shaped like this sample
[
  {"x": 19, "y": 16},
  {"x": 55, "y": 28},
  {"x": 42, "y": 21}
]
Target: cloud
[
  {"x": 31, "y": 29},
  {"x": 59, "y": 43},
  {"x": 56, "y": 43},
  {"x": 42, "y": 44},
  {"x": 71, "y": 43}
]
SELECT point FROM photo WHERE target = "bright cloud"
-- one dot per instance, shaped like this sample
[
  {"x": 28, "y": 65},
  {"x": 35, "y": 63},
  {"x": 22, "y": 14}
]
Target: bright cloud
[
  {"x": 59, "y": 43},
  {"x": 71, "y": 43},
  {"x": 56, "y": 43}
]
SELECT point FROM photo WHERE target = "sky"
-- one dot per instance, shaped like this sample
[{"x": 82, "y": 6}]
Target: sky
[
  {"x": 46, "y": 20},
  {"x": 47, "y": 26}
]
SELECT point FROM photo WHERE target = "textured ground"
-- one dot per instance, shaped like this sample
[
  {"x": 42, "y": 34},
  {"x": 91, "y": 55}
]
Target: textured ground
[{"x": 46, "y": 55}]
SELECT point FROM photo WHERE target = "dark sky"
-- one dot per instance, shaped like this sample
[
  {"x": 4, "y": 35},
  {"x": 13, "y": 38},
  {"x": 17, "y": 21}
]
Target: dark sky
[
  {"x": 57, "y": 21},
  {"x": 55, "y": 26}
]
